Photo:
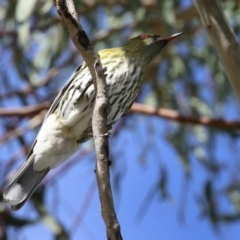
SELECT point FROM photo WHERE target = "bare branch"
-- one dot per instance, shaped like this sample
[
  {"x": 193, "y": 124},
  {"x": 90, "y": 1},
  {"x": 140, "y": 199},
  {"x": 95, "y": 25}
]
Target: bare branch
[
  {"x": 175, "y": 116},
  {"x": 100, "y": 130},
  {"x": 26, "y": 111},
  {"x": 136, "y": 108},
  {"x": 223, "y": 39},
  {"x": 99, "y": 123}
]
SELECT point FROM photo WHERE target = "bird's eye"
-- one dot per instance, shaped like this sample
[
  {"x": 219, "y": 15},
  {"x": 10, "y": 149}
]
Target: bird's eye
[{"x": 144, "y": 36}]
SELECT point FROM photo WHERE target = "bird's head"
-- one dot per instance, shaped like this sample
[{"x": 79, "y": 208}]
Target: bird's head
[{"x": 146, "y": 46}]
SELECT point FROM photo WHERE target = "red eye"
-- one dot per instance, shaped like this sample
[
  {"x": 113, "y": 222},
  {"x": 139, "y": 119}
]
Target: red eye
[{"x": 144, "y": 36}]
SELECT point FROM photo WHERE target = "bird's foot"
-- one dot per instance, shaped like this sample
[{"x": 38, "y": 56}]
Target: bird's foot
[{"x": 107, "y": 134}]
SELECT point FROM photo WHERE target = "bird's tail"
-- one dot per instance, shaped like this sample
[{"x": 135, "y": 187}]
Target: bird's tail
[{"x": 23, "y": 184}]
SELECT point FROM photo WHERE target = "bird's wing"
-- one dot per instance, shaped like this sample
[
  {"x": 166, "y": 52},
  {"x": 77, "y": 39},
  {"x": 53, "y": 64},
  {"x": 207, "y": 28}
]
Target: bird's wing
[
  {"x": 60, "y": 94},
  {"x": 57, "y": 100}
]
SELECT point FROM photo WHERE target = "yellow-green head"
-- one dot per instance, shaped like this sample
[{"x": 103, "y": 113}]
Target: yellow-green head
[
  {"x": 146, "y": 46},
  {"x": 138, "y": 51}
]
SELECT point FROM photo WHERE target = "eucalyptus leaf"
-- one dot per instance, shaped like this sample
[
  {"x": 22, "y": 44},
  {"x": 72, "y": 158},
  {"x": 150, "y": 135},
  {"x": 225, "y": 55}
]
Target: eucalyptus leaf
[
  {"x": 3, "y": 13},
  {"x": 24, "y": 9},
  {"x": 47, "y": 5},
  {"x": 235, "y": 198},
  {"x": 51, "y": 223},
  {"x": 24, "y": 34},
  {"x": 167, "y": 12}
]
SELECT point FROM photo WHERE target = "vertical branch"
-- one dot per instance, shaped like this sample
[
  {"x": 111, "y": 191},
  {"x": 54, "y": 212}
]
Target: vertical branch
[
  {"x": 223, "y": 39},
  {"x": 100, "y": 132},
  {"x": 99, "y": 123}
]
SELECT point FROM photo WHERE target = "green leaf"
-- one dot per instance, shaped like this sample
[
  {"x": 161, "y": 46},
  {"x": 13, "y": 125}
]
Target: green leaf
[
  {"x": 23, "y": 34},
  {"x": 47, "y": 5},
  {"x": 235, "y": 199},
  {"x": 201, "y": 133},
  {"x": 50, "y": 222},
  {"x": 2, "y": 13},
  {"x": 140, "y": 14},
  {"x": 167, "y": 12},
  {"x": 24, "y": 9},
  {"x": 151, "y": 99}
]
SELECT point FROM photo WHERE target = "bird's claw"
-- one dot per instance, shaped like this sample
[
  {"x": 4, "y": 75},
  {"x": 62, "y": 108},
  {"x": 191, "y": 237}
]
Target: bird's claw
[{"x": 107, "y": 134}]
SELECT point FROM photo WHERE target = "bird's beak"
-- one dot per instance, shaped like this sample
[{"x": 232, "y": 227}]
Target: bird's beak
[{"x": 169, "y": 38}]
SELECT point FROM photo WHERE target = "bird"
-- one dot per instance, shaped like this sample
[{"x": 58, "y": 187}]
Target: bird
[{"x": 67, "y": 124}]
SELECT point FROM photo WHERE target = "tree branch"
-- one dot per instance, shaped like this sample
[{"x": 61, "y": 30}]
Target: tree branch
[
  {"x": 136, "y": 108},
  {"x": 99, "y": 123},
  {"x": 175, "y": 116},
  {"x": 26, "y": 111},
  {"x": 102, "y": 167},
  {"x": 223, "y": 39}
]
